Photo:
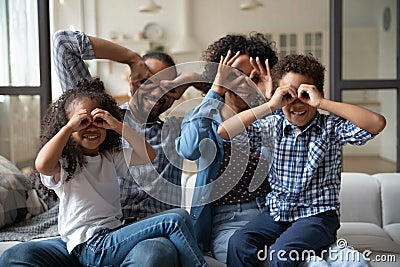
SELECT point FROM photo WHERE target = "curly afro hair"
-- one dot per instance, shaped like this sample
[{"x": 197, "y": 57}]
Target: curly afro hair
[
  {"x": 306, "y": 65},
  {"x": 56, "y": 117},
  {"x": 253, "y": 45}
]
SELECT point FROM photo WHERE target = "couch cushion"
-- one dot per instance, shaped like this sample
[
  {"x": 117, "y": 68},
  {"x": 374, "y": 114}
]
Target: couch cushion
[
  {"x": 394, "y": 231},
  {"x": 6, "y": 166},
  {"x": 363, "y": 236},
  {"x": 360, "y": 199},
  {"x": 18, "y": 199},
  {"x": 390, "y": 188}
]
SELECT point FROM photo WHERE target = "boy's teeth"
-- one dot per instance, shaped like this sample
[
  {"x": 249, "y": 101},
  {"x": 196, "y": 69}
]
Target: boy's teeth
[{"x": 91, "y": 136}]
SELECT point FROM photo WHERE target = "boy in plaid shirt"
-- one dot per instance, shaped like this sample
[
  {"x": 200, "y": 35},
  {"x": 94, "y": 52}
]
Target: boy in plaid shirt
[{"x": 302, "y": 210}]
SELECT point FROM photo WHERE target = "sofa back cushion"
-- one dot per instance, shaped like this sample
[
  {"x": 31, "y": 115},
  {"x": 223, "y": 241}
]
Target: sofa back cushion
[
  {"x": 360, "y": 199},
  {"x": 390, "y": 187}
]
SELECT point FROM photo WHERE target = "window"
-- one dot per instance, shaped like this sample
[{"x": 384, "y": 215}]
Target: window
[
  {"x": 24, "y": 76},
  {"x": 306, "y": 42},
  {"x": 313, "y": 44},
  {"x": 363, "y": 66},
  {"x": 287, "y": 44}
]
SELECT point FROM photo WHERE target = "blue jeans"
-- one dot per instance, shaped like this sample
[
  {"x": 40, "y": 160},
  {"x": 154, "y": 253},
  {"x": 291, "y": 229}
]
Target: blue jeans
[
  {"x": 113, "y": 248},
  {"x": 43, "y": 253},
  {"x": 155, "y": 252},
  {"x": 53, "y": 252},
  {"x": 284, "y": 240},
  {"x": 227, "y": 219}
]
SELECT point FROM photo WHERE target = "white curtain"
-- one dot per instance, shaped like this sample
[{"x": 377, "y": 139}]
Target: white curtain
[
  {"x": 19, "y": 66},
  {"x": 20, "y": 43}
]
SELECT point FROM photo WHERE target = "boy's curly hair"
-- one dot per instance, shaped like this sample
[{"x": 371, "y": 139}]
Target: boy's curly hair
[
  {"x": 56, "y": 117},
  {"x": 305, "y": 64},
  {"x": 254, "y": 45}
]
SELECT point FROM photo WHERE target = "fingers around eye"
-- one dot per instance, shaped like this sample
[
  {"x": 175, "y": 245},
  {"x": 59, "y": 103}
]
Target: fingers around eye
[
  {"x": 267, "y": 67},
  {"x": 228, "y": 55},
  {"x": 288, "y": 92},
  {"x": 84, "y": 118},
  {"x": 230, "y": 61},
  {"x": 260, "y": 66},
  {"x": 253, "y": 73},
  {"x": 302, "y": 92},
  {"x": 253, "y": 63},
  {"x": 99, "y": 117}
]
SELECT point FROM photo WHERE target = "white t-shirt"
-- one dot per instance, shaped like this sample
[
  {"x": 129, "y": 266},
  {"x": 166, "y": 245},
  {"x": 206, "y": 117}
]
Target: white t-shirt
[{"x": 90, "y": 201}]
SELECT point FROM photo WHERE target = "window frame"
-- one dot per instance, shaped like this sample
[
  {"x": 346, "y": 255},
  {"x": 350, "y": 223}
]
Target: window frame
[{"x": 338, "y": 84}]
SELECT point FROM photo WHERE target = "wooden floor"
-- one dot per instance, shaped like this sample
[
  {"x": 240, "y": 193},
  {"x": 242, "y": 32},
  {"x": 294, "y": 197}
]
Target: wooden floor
[{"x": 367, "y": 164}]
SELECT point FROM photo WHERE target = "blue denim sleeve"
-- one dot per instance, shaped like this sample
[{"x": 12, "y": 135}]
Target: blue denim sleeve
[{"x": 197, "y": 125}]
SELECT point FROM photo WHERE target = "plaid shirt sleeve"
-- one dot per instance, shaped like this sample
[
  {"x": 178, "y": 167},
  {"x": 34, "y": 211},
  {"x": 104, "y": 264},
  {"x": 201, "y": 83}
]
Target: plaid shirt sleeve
[
  {"x": 70, "y": 49},
  {"x": 349, "y": 133}
]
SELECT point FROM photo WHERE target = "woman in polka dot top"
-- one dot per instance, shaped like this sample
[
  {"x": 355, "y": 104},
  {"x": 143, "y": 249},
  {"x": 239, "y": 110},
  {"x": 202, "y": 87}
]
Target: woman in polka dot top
[{"x": 230, "y": 184}]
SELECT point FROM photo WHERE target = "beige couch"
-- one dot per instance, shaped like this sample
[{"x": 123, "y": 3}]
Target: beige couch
[{"x": 370, "y": 216}]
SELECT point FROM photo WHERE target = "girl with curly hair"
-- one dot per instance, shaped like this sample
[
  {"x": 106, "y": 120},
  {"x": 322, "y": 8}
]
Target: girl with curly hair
[
  {"x": 80, "y": 159},
  {"x": 230, "y": 190}
]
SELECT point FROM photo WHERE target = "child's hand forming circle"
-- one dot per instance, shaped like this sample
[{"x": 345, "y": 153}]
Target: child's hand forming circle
[
  {"x": 310, "y": 95},
  {"x": 79, "y": 120},
  {"x": 283, "y": 95},
  {"x": 103, "y": 119}
]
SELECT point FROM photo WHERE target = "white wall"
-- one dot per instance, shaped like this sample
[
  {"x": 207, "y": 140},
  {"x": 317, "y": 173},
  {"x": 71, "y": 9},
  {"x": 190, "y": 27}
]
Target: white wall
[{"x": 211, "y": 19}]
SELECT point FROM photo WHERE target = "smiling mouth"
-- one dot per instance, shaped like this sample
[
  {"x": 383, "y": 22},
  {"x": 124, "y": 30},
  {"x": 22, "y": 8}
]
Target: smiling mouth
[
  {"x": 91, "y": 137},
  {"x": 298, "y": 113}
]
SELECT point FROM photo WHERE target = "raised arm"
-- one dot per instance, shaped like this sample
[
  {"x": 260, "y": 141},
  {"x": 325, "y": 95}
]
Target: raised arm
[
  {"x": 47, "y": 160},
  {"x": 238, "y": 123},
  {"x": 104, "y": 49},
  {"x": 183, "y": 81},
  {"x": 364, "y": 118},
  {"x": 71, "y": 48}
]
